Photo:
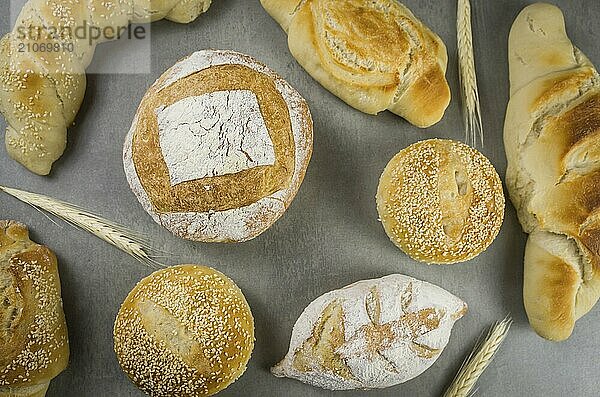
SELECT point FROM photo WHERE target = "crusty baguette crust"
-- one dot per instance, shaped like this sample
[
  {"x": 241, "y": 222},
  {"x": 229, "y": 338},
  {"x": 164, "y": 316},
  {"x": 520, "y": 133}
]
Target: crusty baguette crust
[
  {"x": 374, "y": 55},
  {"x": 552, "y": 135},
  {"x": 33, "y": 324},
  {"x": 41, "y": 92}
]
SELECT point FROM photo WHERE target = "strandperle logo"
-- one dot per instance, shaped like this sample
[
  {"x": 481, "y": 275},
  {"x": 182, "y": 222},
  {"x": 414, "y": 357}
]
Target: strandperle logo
[{"x": 86, "y": 31}]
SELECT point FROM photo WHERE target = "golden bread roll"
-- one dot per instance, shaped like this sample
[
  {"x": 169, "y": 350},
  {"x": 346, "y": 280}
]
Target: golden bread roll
[
  {"x": 184, "y": 331},
  {"x": 373, "y": 54},
  {"x": 218, "y": 148},
  {"x": 441, "y": 201},
  {"x": 551, "y": 137},
  {"x": 34, "y": 345}
]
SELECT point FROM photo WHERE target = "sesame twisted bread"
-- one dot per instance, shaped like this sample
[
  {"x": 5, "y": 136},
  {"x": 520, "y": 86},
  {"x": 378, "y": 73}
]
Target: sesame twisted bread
[
  {"x": 41, "y": 91},
  {"x": 34, "y": 346},
  {"x": 552, "y": 140}
]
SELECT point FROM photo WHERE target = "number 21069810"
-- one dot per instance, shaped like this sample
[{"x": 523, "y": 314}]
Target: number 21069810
[{"x": 46, "y": 47}]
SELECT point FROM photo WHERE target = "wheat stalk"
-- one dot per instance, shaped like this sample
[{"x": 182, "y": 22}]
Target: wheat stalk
[
  {"x": 479, "y": 359},
  {"x": 119, "y": 236},
  {"x": 468, "y": 77}
]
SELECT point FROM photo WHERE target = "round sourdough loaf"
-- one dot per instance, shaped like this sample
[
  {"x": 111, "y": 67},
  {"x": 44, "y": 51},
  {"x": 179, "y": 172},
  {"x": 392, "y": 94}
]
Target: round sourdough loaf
[
  {"x": 184, "y": 331},
  {"x": 441, "y": 201},
  {"x": 218, "y": 148}
]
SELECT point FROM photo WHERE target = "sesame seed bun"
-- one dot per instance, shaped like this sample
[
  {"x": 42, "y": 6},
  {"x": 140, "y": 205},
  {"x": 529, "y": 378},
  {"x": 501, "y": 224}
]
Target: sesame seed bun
[
  {"x": 34, "y": 344},
  {"x": 441, "y": 201},
  {"x": 184, "y": 331}
]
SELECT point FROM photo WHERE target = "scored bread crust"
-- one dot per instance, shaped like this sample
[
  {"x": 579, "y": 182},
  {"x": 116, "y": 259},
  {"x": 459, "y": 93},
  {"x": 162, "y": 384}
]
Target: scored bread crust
[
  {"x": 231, "y": 216},
  {"x": 371, "y": 334},
  {"x": 184, "y": 331},
  {"x": 374, "y": 55},
  {"x": 34, "y": 346},
  {"x": 551, "y": 136},
  {"x": 441, "y": 201},
  {"x": 282, "y": 11}
]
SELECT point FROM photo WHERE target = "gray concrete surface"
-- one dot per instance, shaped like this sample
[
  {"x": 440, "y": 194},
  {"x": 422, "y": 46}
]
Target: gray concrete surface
[{"x": 330, "y": 237}]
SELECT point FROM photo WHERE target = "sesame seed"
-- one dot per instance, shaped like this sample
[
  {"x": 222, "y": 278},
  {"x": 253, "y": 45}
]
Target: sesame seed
[
  {"x": 211, "y": 318},
  {"x": 37, "y": 300},
  {"x": 426, "y": 218}
]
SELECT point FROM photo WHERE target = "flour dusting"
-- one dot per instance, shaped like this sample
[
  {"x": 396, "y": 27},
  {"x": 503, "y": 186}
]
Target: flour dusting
[
  {"x": 238, "y": 224},
  {"x": 395, "y": 328},
  {"x": 214, "y": 134}
]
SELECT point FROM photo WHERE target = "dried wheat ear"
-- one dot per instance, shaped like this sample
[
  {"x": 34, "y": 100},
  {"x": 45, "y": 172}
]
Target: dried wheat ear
[
  {"x": 469, "y": 91},
  {"x": 480, "y": 358},
  {"x": 119, "y": 236}
]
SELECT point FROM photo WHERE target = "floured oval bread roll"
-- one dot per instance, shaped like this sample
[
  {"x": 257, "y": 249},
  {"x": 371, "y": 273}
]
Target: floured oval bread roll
[
  {"x": 218, "y": 148},
  {"x": 184, "y": 331},
  {"x": 371, "y": 334},
  {"x": 373, "y": 54},
  {"x": 34, "y": 344},
  {"x": 441, "y": 201}
]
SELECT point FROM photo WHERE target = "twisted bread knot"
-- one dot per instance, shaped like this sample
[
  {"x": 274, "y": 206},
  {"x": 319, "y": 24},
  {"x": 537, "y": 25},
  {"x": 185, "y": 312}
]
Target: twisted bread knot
[{"x": 41, "y": 91}]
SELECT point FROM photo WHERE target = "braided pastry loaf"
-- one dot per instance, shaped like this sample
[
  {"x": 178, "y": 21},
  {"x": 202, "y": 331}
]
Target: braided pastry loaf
[
  {"x": 373, "y": 54},
  {"x": 41, "y": 92},
  {"x": 552, "y": 139}
]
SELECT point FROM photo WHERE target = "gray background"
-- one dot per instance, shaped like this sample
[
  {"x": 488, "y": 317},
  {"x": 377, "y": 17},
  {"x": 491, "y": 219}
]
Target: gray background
[{"x": 330, "y": 237}]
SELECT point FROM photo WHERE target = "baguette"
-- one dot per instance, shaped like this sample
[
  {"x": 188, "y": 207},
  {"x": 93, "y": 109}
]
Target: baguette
[{"x": 552, "y": 135}]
